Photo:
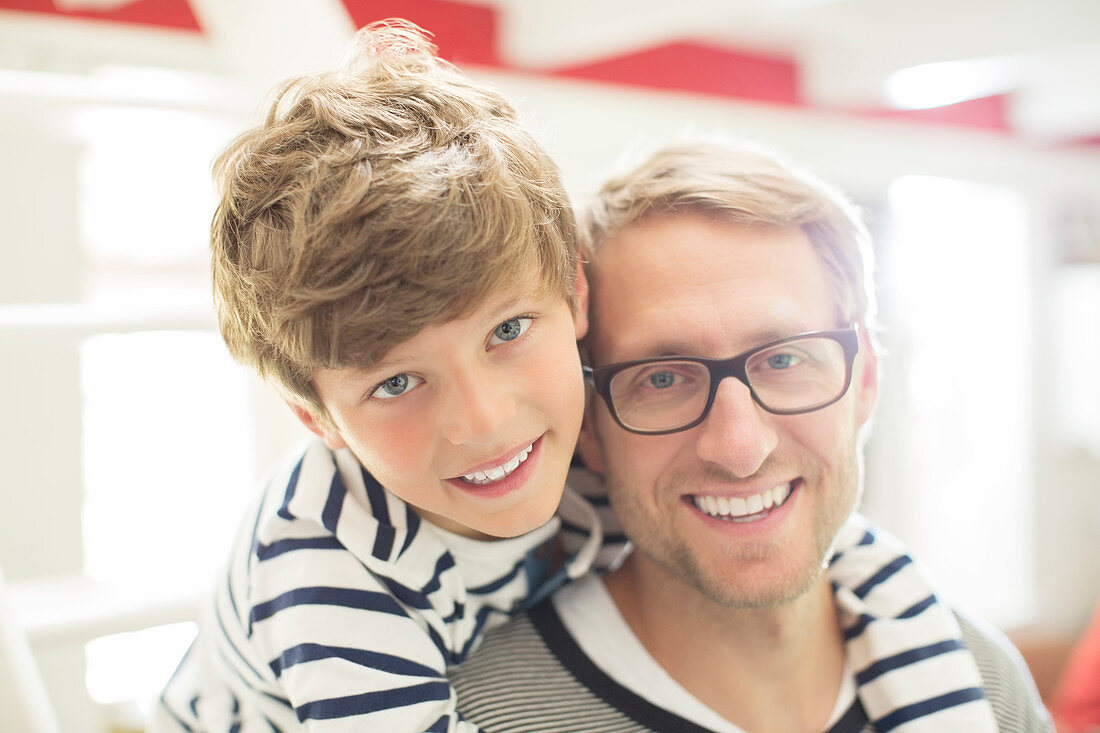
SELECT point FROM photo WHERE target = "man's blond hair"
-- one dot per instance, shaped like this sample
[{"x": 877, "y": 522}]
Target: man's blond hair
[
  {"x": 372, "y": 202},
  {"x": 748, "y": 186}
]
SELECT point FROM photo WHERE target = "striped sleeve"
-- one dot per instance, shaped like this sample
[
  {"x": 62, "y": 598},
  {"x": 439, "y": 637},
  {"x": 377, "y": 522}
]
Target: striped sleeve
[
  {"x": 347, "y": 646},
  {"x": 1006, "y": 678},
  {"x": 345, "y": 652},
  {"x": 335, "y": 613},
  {"x": 336, "y": 655}
]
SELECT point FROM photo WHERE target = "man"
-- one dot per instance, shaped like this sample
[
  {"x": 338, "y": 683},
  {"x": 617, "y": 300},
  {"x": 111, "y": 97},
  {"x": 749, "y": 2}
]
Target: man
[{"x": 735, "y": 371}]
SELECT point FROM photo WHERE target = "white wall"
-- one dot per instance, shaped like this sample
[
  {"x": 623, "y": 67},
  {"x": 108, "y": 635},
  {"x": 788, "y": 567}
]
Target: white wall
[{"x": 586, "y": 127}]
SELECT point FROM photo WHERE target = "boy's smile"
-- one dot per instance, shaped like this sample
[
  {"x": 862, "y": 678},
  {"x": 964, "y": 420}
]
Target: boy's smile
[
  {"x": 493, "y": 472},
  {"x": 471, "y": 421}
]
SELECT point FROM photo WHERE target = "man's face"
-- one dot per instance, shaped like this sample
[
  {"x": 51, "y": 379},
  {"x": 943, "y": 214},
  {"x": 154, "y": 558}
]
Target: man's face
[
  {"x": 683, "y": 284},
  {"x": 472, "y": 421}
]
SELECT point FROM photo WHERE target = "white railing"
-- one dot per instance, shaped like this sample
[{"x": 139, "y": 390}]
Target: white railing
[{"x": 55, "y": 612}]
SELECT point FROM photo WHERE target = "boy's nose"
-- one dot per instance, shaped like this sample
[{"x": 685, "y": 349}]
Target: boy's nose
[
  {"x": 477, "y": 411},
  {"x": 735, "y": 434}
]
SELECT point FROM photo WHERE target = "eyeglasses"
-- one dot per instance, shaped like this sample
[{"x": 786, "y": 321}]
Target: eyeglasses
[{"x": 790, "y": 376}]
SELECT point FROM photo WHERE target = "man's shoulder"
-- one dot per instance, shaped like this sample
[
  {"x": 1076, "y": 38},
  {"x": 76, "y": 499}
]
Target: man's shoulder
[
  {"x": 530, "y": 675},
  {"x": 1005, "y": 677},
  {"x": 518, "y": 681}
]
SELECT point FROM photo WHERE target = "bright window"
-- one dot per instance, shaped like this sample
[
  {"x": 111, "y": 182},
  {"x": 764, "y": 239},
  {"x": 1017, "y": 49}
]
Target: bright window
[{"x": 959, "y": 462}]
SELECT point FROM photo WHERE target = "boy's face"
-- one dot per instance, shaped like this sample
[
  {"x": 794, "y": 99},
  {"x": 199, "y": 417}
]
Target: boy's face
[{"x": 471, "y": 421}]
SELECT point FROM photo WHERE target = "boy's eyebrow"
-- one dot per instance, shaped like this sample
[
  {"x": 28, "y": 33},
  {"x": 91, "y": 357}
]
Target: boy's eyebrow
[
  {"x": 355, "y": 376},
  {"x": 376, "y": 372},
  {"x": 515, "y": 301}
]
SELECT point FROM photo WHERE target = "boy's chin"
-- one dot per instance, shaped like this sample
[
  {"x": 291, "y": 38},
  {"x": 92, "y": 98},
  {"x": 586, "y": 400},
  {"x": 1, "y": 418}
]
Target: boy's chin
[
  {"x": 496, "y": 528},
  {"x": 520, "y": 523},
  {"x": 518, "y": 529}
]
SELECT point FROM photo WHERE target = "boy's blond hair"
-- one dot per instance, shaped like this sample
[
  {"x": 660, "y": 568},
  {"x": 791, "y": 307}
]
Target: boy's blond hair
[
  {"x": 372, "y": 202},
  {"x": 747, "y": 185}
]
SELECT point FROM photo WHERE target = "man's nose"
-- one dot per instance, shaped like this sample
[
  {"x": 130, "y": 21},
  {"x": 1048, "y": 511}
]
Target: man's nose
[
  {"x": 478, "y": 407},
  {"x": 735, "y": 434}
]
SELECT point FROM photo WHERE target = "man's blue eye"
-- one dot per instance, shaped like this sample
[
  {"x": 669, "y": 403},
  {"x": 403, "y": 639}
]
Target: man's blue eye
[
  {"x": 781, "y": 361},
  {"x": 510, "y": 330},
  {"x": 661, "y": 380}
]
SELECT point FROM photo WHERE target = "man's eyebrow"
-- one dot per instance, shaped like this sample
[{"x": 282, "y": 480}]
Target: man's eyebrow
[
  {"x": 664, "y": 348},
  {"x": 680, "y": 347},
  {"x": 767, "y": 335}
]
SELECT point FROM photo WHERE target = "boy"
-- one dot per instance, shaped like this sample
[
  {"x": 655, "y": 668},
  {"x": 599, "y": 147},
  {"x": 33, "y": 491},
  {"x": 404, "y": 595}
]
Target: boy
[{"x": 397, "y": 256}]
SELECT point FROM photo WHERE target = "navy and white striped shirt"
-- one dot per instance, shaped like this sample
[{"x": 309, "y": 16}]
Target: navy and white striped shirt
[
  {"x": 915, "y": 664},
  {"x": 341, "y": 609}
]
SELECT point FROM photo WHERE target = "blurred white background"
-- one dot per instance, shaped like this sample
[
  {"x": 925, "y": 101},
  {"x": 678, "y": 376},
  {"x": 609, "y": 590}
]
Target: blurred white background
[{"x": 968, "y": 129}]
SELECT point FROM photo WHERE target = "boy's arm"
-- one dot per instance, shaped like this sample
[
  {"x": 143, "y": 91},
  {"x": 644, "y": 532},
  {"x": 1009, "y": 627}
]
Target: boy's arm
[
  {"x": 349, "y": 656},
  {"x": 342, "y": 658},
  {"x": 315, "y": 626}
]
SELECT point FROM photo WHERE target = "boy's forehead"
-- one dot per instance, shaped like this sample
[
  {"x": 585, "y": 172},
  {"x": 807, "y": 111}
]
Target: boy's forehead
[{"x": 469, "y": 316}]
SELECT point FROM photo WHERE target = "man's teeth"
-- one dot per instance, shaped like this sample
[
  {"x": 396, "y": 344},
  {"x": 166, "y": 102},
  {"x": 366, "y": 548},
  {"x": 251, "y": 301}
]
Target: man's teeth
[
  {"x": 736, "y": 507},
  {"x": 496, "y": 474}
]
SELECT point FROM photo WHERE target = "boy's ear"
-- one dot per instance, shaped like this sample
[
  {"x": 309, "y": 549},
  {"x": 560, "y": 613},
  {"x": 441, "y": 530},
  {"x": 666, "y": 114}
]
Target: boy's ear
[
  {"x": 588, "y": 445},
  {"x": 330, "y": 435},
  {"x": 580, "y": 293}
]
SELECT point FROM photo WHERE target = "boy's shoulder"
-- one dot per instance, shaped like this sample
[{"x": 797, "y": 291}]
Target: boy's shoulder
[
  {"x": 323, "y": 501},
  {"x": 326, "y": 507}
]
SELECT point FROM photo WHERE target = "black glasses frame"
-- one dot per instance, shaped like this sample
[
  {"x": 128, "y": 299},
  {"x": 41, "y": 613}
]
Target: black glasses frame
[{"x": 600, "y": 377}]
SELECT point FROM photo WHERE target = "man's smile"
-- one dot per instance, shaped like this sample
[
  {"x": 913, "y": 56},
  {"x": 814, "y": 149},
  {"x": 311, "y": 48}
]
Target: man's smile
[{"x": 744, "y": 508}]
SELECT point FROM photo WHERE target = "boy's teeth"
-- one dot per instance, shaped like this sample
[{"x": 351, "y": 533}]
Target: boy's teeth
[
  {"x": 496, "y": 474},
  {"x": 736, "y": 507}
]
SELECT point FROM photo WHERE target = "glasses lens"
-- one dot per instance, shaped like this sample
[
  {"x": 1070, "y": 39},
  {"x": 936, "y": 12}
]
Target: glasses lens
[
  {"x": 799, "y": 375},
  {"x": 660, "y": 395}
]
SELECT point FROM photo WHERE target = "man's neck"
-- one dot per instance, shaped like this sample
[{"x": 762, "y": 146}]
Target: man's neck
[{"x": 774, "y": 669}]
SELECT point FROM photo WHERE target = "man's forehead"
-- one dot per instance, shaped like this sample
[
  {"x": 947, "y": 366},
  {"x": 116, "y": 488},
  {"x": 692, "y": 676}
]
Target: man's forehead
[
  {"x": 685, "y": 284},
  {"x": 670, "y": 335}
]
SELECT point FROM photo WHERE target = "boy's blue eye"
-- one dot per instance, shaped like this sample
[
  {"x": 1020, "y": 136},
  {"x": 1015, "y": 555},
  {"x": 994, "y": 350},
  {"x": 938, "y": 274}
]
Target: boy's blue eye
[
  {"x": 395, "y": 386},
  {"x": 510, "y": 330}
]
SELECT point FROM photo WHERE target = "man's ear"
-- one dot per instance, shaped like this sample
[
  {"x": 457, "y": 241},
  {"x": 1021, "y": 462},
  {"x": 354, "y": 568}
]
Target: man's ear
[
  {"x": 866, "y": 376},
  {"x": 580, "y": 294},
  {"x": 588, "y": 445},
  {"x": 330, "y": 435}
]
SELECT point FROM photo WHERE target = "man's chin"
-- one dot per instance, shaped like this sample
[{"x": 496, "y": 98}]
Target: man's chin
[
  {"x": 772, "y": 595},
  {"x": 756, "y": 583}
]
